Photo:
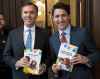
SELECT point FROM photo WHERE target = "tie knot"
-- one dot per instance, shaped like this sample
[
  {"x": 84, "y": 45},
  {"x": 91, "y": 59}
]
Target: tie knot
[
  {"x": 63, "y": 33},
  {"x": 63, "y": 38},
  {"x": 29, "y": 30}
]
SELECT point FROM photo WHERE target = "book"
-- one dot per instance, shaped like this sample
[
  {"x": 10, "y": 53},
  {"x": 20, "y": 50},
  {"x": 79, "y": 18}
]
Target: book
[
  {"x": 34, "y": 58},
  {"x": 65, "y": 54}
]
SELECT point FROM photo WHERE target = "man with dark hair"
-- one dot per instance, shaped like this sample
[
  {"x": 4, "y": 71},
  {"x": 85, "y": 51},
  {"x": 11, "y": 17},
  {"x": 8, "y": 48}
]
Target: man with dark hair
[
  {"x": 5, "y": 71},
  {"x": 28, "y": 37},
  {"x": 61, "y": 6},
  {"x": 67, "y": 35},
  {"x": 29, "y": 3}
]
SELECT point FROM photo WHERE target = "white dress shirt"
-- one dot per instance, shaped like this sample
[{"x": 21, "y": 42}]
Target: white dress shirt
[{"x": 26, "y": 34}]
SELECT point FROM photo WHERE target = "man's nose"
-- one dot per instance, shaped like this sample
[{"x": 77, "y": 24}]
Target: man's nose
[
  {"x": 60, "y": 18},
  {"x": 28, "y": 14}
]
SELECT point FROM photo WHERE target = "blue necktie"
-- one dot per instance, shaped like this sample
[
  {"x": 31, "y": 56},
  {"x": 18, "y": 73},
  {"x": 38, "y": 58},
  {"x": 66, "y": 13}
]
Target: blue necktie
[{"x": 29, "y": 40}]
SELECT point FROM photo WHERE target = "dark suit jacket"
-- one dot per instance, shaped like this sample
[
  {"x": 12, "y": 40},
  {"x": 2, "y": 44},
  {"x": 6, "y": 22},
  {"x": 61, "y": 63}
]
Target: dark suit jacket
[
  {"x": 14, "y": 49},
  {"x": 80, "y": 37},
  {"x": 5, "y": 70}
]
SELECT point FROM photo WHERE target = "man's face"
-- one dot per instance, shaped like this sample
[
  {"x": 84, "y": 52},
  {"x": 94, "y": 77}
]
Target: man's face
[
  {"x": 2, "y": 21},
  {"x": 61, "y": 19},
  {"x": 29, "y": 15}
]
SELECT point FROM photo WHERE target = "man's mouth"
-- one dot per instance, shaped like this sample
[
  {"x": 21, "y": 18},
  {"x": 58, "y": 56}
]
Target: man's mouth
[{"x": 28, "y": 19}]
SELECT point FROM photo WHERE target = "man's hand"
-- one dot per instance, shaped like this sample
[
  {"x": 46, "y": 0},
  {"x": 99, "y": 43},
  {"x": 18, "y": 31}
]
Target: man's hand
[
  {"x": 66, "y": 61},
  {"x": 24, "y": 61},
  {"x": 42, "y": 69},
  {"x": 55, "y": 68},
  {"x": 79, "y": 59}
]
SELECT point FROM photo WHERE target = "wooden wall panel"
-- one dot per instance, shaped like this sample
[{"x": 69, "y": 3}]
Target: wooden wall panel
[
  {"x": 11, "y": 10},
  {"x": 96, "y": 30}
]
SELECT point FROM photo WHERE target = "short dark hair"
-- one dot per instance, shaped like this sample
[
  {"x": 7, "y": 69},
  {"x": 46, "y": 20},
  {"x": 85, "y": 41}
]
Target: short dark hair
[
  {"x": 30, "y": 3},
  {"x": 61, "y": 5},
  {"x": 1, "y": 13}
]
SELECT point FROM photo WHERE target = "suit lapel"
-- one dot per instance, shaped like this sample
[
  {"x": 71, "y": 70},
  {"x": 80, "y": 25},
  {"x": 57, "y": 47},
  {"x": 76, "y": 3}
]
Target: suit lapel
[
  {"x": 57, "y": 42},
  {"x": 20, "y": 35},
  {"x": 74, "y": 37},
  {"x": 37, "y": 38}
]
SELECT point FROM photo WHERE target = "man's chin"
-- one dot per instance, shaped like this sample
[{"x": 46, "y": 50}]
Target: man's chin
[
  {"x": 29, "y": 24},
  {"x": 62, "y": 27}
]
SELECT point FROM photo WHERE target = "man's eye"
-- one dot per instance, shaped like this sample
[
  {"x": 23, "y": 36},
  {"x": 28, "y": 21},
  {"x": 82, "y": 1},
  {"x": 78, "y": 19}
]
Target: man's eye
[
  {"x": 57, "y": 16},
  {"x": 64, "y": 15},
  {"x": 31, "y": 12},
  {"x": 25, "y": 12}
]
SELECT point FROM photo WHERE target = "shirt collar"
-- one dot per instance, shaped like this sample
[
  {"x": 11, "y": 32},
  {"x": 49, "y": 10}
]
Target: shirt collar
[
  {"x": 66, "y": 31},
  {"x": 27, "y": 28}
]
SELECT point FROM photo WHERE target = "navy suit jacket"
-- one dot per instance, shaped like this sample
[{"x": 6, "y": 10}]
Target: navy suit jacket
[
  {"x": 80, "y": 37},
  {"x": 14, "y": 49}
]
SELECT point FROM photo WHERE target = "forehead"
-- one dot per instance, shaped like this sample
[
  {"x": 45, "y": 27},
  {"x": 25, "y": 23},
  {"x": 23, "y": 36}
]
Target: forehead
[
  {"x": 59, "y": 11},
  {"x": 28, "y": 8}
]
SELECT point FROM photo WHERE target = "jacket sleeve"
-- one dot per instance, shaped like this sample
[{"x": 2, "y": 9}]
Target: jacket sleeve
[
  {"x": 90, "y": 45},
  {"x": 8, "y": 52}
]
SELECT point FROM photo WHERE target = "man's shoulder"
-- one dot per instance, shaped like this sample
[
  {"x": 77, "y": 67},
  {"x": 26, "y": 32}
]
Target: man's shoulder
[
  {"x": 79, "y": 29},
  {"x": 15, "y": 30},
  {"x": 82, "y": 32},
  {"x": 54, "y": 34}
]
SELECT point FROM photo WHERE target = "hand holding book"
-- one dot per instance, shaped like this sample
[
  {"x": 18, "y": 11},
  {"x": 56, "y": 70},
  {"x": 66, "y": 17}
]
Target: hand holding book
[
  {"x": 34, "y": 57},
  {"x": 22, "y": 62},
  {"x": 55, "y": 68},
  {"x": 66, "y": 53},
  {"x": 79, "y": 59},
  {"x": 34, "y": 71}
]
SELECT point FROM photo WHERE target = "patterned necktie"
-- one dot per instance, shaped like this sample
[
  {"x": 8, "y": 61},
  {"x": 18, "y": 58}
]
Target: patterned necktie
[
  {"x": 29, "y": 40},
  {"x": 63, "y": 38}
]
